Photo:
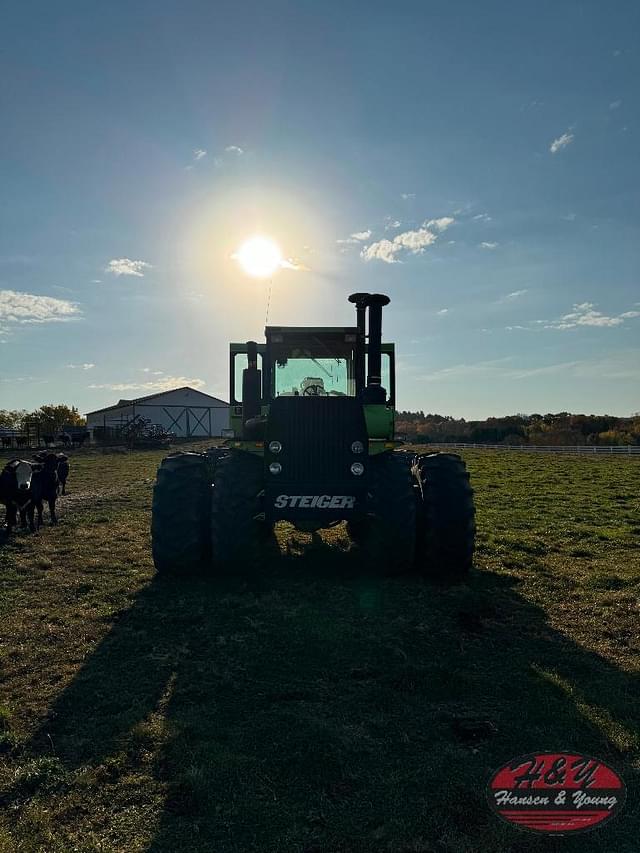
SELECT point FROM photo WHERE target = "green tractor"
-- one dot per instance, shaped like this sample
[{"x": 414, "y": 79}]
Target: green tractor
[{"x": 312, "y": 423}]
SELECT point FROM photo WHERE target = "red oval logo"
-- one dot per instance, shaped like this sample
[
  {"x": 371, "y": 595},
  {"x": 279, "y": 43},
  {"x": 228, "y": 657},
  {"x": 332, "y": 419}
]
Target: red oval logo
[{"x": 556, "y": 792}]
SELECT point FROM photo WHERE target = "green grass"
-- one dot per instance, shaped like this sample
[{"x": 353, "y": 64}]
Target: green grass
[{"x": 315, "y": 708}]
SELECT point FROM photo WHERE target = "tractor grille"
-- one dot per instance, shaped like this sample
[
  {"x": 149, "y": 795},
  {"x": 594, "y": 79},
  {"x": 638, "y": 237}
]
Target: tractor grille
[{"x": 316, "y": 434}]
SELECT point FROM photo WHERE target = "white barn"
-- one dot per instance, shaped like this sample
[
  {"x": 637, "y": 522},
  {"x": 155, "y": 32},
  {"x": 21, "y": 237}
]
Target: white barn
[{"x": 184, "y": 411}]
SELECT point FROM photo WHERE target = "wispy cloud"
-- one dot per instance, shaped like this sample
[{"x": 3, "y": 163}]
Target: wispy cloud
[
  {"x": 440, "y": 224},
  {"x": 486, "y": 244},
  {"x": 125, "y": 266},
  {"x": 166, "y": 383},
  {"x": 293, "y": 264},
  {"x": 356, "y": 237},
  {"x": 515, "y": 294},
  {"x": 481, "y": 217},
  {"x": 199, "y": 153},
  {"x": 87, "y": 365},
  {"x": 20, "y": 308},
  {"x": 414, "y": 241},
  {"x": 234, "y": 149},
  {"x": 620, "y": 365},
  {"x": 442, "y": 312},
  {"x": 561, "y": 142},
  {"x": 585, "y": 314},
  {"x": 406, "y": 196},
  {"x": 615, "y": 105}
]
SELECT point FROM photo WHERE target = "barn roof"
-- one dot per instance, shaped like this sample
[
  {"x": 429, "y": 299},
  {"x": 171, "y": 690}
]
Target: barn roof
[{"x": 122, "y": 403}]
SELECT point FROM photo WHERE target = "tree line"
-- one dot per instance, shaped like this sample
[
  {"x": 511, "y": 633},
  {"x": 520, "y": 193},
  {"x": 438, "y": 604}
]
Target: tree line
[
  {"x": 46, "y": 419},
  {"x": 553, "y": 428},
  {"x": 561, "y": 428}
]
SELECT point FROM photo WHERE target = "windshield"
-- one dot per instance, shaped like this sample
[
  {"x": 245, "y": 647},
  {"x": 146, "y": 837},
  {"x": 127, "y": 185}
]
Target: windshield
[{"x": 313, "y": 377}]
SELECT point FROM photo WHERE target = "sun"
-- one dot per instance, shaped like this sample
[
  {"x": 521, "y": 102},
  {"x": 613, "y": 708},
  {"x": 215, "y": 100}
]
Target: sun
[{"x": 259, "y": 257}]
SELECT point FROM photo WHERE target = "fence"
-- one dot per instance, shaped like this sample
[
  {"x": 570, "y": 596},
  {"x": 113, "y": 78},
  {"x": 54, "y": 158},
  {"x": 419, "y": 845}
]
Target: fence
[{"x": 617, "y": 450}]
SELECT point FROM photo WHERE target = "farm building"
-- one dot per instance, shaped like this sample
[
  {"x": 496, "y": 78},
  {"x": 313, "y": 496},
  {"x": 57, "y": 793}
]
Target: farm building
[{"x": 183, "y": 411}]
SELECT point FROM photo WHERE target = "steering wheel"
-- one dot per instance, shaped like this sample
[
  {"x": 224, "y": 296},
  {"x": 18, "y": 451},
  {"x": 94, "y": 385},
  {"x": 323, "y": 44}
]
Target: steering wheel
[{"x": 313, "y": 391}]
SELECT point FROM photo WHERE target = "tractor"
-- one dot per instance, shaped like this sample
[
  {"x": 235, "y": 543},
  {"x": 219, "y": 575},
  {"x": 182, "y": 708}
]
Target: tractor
[{"x": 311, "y": 441}]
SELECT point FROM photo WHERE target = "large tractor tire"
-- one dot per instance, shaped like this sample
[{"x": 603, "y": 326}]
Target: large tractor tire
[
  {"x": 387, "y": 536},
  {"x": 238, "y": 535},
  {"x": 445, "y": 533},
  {"x": 180, "y": 514}
]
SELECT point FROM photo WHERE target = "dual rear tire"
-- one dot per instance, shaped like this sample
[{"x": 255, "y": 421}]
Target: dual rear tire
[
  {"x": 204, "y": 513},
  {"x": 422, "y": 516}
]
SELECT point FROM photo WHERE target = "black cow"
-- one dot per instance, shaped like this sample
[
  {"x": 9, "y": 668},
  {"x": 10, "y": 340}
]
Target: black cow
[
  {"x": 48, "y": 439},
  {"x": 63, "y": 471},
  {"x": 79, "y": 438},
  {"x": 65, "y": 438},
  {"x": 44, "y": 487},
  {"x": 16, "y": 482},
  {"x": 6, "y": 440},
  {"x": 22, "y": 440}
]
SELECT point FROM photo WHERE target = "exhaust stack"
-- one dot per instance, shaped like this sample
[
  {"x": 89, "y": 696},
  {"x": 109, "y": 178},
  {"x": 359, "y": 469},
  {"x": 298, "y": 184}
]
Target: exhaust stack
[{"x": 373, "y": 392}]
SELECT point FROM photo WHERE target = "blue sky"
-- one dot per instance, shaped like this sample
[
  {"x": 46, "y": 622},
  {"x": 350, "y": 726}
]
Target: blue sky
[{"x": 477, "y": 162}]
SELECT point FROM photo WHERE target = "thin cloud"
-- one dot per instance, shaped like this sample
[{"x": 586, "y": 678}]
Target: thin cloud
[
  {"x": 293, "y": 264},
  {"x": 406, "y": 196},
  {"x": 481, "y": 217},
  {"x": 28, "y": 308},
  {"x": 392, "y": 224},
  {"x": 199, "y": 153},
  {"x": 440, "y": 224},
  {"x": 356, "y": 237},
  {"x": 486, "y": 244},
  {"x": 164, "y": 384},
  {"x": 615, "y": 105},
  {"x": 125, "y": 266},
  {"x": 87, "y": 365},
  {"x": 515, "y": 294},
  {"x": 234, "y": 149},
  {"x": 442, "y": 312},
  {"x": 561, "y": 142},
  {"x": 585, "y": 314}
]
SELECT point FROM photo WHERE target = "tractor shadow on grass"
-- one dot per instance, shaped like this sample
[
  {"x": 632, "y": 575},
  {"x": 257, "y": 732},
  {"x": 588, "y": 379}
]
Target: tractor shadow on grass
[{"x": 321, "y": 709}]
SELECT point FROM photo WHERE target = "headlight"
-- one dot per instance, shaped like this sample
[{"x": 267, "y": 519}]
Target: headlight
[
  {"x": 357, "y": 468},
  {"x": 275, "y": 468},
  {"x": 275, "y": 447},
  {"x": 357, "y": 447}
]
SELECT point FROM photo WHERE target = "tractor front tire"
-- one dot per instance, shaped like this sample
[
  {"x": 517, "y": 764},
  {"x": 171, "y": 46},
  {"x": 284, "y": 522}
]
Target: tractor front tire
[
  {"x": 238, "y": 536},
  {"x": 180, "y": 514},
  {"x": 445, "y": 533},
  {"x": 386, "y": 538}
]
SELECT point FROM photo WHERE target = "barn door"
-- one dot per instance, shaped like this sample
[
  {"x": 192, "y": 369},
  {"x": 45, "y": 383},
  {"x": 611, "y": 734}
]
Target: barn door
[
  {"x": 198, "y": 421},
  {"x": 178, "y": 421}
]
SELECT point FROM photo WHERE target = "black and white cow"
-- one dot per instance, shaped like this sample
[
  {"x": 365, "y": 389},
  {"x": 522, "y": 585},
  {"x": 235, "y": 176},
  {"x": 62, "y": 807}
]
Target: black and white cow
[{"x": 16, "y": 482}]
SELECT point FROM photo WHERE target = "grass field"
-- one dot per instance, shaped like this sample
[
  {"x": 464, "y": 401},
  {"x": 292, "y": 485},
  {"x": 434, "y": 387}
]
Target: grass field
[{"x": 316, "y": 709}]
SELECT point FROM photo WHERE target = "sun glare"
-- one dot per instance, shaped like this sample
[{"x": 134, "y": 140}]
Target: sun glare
[{"x": 259, "y": 257}]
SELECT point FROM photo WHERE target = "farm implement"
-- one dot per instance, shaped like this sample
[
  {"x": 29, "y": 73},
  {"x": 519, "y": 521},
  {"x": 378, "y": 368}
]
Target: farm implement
[{"x": 311, "y": 441}]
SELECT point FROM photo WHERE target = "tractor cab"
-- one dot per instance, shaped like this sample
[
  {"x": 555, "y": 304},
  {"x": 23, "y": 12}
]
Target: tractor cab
[{"x": 308, "y": 361}]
